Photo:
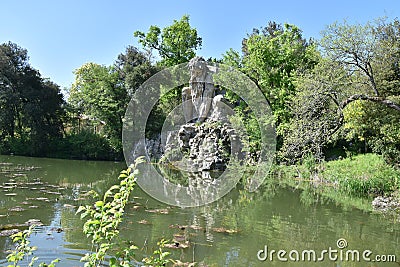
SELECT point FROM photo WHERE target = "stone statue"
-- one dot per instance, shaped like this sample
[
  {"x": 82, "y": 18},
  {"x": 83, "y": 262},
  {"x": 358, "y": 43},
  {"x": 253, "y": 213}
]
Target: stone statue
[
  {"x": 198, "y": 147},
  {"x": 197, "y": 98}
]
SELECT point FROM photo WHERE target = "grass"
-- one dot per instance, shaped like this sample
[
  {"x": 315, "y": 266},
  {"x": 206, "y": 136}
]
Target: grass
[
  {"x": 362, "y": 175},
  {"x": 351, "y": 182}
]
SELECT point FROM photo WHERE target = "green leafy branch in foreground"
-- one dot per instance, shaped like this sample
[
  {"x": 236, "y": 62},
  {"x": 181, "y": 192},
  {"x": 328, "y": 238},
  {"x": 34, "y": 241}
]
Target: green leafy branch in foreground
[
  {"x": 159, "y": 257},
  {"x": 102, "y": 225},
  {"x": 23, "y": 250},
  {"x": 104, "y": 218}
]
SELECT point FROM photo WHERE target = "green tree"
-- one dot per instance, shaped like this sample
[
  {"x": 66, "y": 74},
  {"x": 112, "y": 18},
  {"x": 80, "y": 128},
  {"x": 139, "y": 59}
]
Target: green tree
[
  {"x": 361, "y": 64},
  {"x": 98, "y": 94},
  {"x": 175, "y": 44},
  {"x": 373, "y": 127},
  {"x": 134, "y": 68},
  {"x": 315, "y": 111},
  {"x": 233, "y": 58},
  {"x": 372, "y": 113},
  {"x": 13, "y": 64},
  {"x": 272, "y": 57},
  {"x": 31, "y": 107}
]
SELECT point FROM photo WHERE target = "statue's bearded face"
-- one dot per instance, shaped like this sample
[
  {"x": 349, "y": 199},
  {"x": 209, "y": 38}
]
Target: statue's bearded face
[{"x": 198, "y": 69}]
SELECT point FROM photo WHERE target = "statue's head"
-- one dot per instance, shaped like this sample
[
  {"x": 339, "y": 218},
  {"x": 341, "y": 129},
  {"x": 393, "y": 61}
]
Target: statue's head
[{"x": 197, "y": 67}]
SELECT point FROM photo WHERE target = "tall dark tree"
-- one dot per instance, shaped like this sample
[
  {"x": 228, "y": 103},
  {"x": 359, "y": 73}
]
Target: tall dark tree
[
  {"x": 134, "y": 68},
  {"x": 13, "y": 65},
  {"x": 31, "y": 107}
]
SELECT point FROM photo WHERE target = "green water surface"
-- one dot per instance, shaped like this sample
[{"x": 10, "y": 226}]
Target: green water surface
[{"x": 229, "y": 232}]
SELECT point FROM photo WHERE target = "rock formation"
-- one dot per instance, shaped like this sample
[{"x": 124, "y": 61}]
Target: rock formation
[{"x": 204, "y": 142}]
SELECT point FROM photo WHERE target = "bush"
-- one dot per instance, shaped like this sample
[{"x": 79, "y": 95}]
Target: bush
[
  {"x": 87, "y": 145},
  {"x": 84, "y": 145},
  {"x": 19, "y": 146}
]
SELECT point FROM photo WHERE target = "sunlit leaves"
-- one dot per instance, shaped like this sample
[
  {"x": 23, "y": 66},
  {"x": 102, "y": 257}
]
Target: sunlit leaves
[
  {"x": 97, "y": 94},
  {"x": 175, "y": 44}
]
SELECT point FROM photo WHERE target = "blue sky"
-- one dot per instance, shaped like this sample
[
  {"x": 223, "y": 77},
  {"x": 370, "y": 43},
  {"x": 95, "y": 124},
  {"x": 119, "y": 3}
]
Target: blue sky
[{"x": 62, "y": 35}]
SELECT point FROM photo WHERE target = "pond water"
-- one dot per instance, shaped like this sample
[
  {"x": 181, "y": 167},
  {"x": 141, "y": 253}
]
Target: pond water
[{"x": 228, "y": 232}]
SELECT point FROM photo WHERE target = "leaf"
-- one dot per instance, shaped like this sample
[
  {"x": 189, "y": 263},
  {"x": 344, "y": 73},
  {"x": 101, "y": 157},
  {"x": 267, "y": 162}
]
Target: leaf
[
  {"x": 165, "y": 254},
  {"x": 99, "y": 204},
  {"x": 109, "y": 191},
  {"x": 80, "y": 209},
  {"x": 113, "y": 262},
  {"x": 122, "y": 176}
]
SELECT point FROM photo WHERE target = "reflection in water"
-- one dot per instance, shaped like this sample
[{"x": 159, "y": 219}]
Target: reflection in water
[
  {"x": 201, "y": 186},
  {"x": 185, "y": 189},
  {"x": 228, "y": 232}
]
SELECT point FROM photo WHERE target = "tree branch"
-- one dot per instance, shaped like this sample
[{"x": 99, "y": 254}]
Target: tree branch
[
  {"x": 371, "y": 77},
  {"x": 367, "y": 68},
  {"x": 376, "y": 99}
]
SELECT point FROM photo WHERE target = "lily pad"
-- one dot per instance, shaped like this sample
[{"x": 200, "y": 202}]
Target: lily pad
[
  {"x": 33, "y": 222},
  {"x": 178, "y": 263},
  {"x": 179, "y": 226},
  {"x": 16, "y": 209},
  {"x": 42, "y": 198},
  {"x": 224, "y": 230},
  {"x": 135, "y": 207},
  {"x": 57, "y": 229},
  {"x": 144, "y": 222},
  {"x": 34, "y": 183},
  {"x": 53, "y": 193},
  {"x": 178, "y": 245},
  {"x": 196, "y": 227},
  {"x": 179, "y": 238},
  {"x": 8, "y": 187},
  {"x": 159, "y": 211},
  {"x": 9, "y": 232}
]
